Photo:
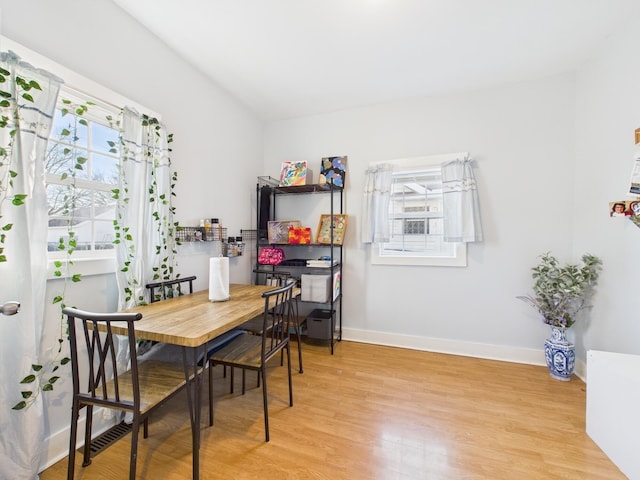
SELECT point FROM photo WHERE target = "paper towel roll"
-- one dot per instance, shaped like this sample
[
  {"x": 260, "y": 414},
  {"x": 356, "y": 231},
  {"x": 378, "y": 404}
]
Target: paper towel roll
[{"x": 218, "y": 279}]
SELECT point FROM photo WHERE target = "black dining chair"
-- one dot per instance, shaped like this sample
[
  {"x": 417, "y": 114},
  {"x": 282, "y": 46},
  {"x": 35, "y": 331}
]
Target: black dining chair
[
  {"x": 138, "y": 389},
  {"x": 169, "y": 288},
  {"x": 252, "y": 352},
  {"x": 255, "y": 325}
]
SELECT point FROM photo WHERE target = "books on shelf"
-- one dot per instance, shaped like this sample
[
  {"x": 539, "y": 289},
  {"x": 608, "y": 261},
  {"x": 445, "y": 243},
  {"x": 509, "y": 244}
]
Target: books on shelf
[{"x": 321, "y": 263}]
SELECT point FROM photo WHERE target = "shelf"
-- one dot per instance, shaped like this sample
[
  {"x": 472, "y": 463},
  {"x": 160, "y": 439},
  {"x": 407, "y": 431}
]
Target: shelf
[
  {"x": 315, "y": 245},
  {"x": 267, "y": 191},
  {"x": 307, "y": 189},
  {"x": 292, "y": 189}
]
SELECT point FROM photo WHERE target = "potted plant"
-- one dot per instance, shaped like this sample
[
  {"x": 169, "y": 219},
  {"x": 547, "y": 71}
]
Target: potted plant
[{"x": 561, "y": 292}]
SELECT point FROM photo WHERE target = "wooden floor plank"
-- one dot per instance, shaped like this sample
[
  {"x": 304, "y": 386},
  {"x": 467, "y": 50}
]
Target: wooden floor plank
[{"x": 373, "y": 412}]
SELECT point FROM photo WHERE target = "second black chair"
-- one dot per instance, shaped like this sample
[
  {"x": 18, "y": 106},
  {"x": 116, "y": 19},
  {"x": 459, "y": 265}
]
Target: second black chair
[
  {"x": 255, "y": 325},
  {"x": 252, "y": 352}
]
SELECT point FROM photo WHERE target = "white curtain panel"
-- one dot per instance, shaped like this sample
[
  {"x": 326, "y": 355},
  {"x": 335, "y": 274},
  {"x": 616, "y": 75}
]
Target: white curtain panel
[
  {"x": 460, "y": 202},
  {"x": 145, "y": 167},
  {"x": 23, "y": 277},
  {"x": 375, "y": 204}
]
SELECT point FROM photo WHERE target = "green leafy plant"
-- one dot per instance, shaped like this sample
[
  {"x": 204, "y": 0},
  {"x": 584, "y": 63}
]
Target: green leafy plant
[
  {"x": 165, "y": 251},
  {"x": 562, "y": 291},
  {"x": 10, "y": 122},
  {"x": 43, "y": 376}
]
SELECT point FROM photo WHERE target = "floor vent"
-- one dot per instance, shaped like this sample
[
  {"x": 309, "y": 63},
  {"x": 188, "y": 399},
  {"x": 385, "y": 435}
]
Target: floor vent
[{"x": 107, "y": 438}]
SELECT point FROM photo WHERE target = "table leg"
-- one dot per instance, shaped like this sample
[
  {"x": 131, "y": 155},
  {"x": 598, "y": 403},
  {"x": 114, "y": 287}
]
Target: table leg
[{"x": 194, "y": 394}]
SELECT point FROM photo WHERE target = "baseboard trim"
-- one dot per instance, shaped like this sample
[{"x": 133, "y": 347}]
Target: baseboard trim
[{"x": 487, "y": 351}]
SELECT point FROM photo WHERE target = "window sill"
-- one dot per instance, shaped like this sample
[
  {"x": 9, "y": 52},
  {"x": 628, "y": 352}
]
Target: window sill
[
  {"x": 83, "y": 266},
  {"x": 459, "y": 260}
]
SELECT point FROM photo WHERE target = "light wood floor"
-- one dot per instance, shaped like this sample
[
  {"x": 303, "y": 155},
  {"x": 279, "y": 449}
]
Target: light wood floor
[{"x": 371, "y": 412}]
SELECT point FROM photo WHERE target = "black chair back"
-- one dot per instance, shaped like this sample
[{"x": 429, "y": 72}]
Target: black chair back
[{"x": 169, "y": 288}]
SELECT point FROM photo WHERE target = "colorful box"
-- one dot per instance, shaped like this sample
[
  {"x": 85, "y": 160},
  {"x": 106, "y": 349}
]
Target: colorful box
[{"x": 299, "y": 235}]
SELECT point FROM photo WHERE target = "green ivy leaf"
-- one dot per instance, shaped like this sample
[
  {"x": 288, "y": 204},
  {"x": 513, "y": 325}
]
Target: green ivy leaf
[
  {"x": 47, "y": 387},
  {"x": 27, "y": 97},
  {"x": 19, "y": 405},
  {"x": 26, "y": 394},
  {"x": 28, "y": 379},
  {"x": 65, "y": 360},
  {"x": 18, "y": 199},
  {"x": 36, "y": 368},
  {"x": 53, "y": 379},
  {"x": 7, "y": 227},
  {"x": 57, "y": 299}
]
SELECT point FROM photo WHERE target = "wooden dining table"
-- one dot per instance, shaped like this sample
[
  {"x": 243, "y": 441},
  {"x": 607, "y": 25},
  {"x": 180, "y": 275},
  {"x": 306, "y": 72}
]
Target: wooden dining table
[{"x": 192, "y": 321}]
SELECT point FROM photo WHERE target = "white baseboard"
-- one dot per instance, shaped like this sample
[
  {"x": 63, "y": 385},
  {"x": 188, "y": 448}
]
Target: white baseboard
[{"x": 488, "y": 351}]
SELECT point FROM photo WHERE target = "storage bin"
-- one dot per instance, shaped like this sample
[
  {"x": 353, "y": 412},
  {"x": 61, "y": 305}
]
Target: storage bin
[
  {"x": 319, "y": 324},
  {"x": 316, "y": 288}
]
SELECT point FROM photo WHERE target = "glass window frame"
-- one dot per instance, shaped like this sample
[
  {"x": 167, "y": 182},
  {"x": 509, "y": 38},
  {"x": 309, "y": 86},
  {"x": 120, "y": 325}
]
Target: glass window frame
[
  {"x": 100, "y": 113},
  {"x": 447, "y": 254}
]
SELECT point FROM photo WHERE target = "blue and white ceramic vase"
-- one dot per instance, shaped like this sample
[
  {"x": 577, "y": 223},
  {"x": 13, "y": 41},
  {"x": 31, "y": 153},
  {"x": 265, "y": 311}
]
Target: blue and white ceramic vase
[{"x": 560, "y": 354}]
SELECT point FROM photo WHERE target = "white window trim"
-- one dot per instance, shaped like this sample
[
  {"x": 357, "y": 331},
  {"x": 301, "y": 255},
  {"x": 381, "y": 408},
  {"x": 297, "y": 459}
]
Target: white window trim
[
  {"x": 90, "y": 264},
  {"x": 460, "y": 258}
]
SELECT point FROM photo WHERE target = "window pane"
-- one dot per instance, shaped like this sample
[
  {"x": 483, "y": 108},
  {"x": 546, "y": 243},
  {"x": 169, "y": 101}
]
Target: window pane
[
  {"x": 104, "y": 234},
  {"x": 57, "y": 196},
  {"x": 104, "y": 139},
  {"x": 81, "y": 147},
  {"x": 59, "y": 158},
  {"x": 415, "y": 217},
  {"x": 104, "y": 169},
  {"x": 68, "y": 129}
]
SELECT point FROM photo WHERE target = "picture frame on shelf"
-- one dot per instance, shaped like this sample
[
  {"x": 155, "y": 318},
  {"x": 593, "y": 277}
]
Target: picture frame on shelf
[
  {"x": 299, "y": 235},
  {"x": 324, "y": 229},
  {"x": 333, "y": 170},
  {"x": 293, "y": 174},
  {"x": 278, "y": 231}
]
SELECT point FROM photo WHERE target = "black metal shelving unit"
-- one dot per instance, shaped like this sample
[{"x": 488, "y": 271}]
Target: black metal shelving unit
[{"x": 268, "y": 190}]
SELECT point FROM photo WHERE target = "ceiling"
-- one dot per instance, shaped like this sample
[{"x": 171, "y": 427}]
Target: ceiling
[{"x": 290, "y": 58}]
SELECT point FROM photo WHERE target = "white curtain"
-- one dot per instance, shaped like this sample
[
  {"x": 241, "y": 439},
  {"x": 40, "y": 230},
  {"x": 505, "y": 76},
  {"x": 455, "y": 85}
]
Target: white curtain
[
  {"x": 461, "y": 208},
  {"x": 146, "y": 250},
  {"x": 23, "y": 276},
  {"x": 375, "y": 204}
]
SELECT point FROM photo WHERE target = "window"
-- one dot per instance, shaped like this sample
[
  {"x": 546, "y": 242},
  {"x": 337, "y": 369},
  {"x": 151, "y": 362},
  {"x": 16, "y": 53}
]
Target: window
[
  {"x": 415, "y": 218},
  {"x": 81, "y": 171}
]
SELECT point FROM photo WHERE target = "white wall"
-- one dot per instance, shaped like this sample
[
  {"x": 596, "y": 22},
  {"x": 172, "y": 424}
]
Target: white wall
[
  {"x": 522, "y": 137},
  {"x": 608, "y": 106},
  {"x": 546, "y": 165},
  {"x": 217, "y": 141},
  {"x": 217, "y": 149}
]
